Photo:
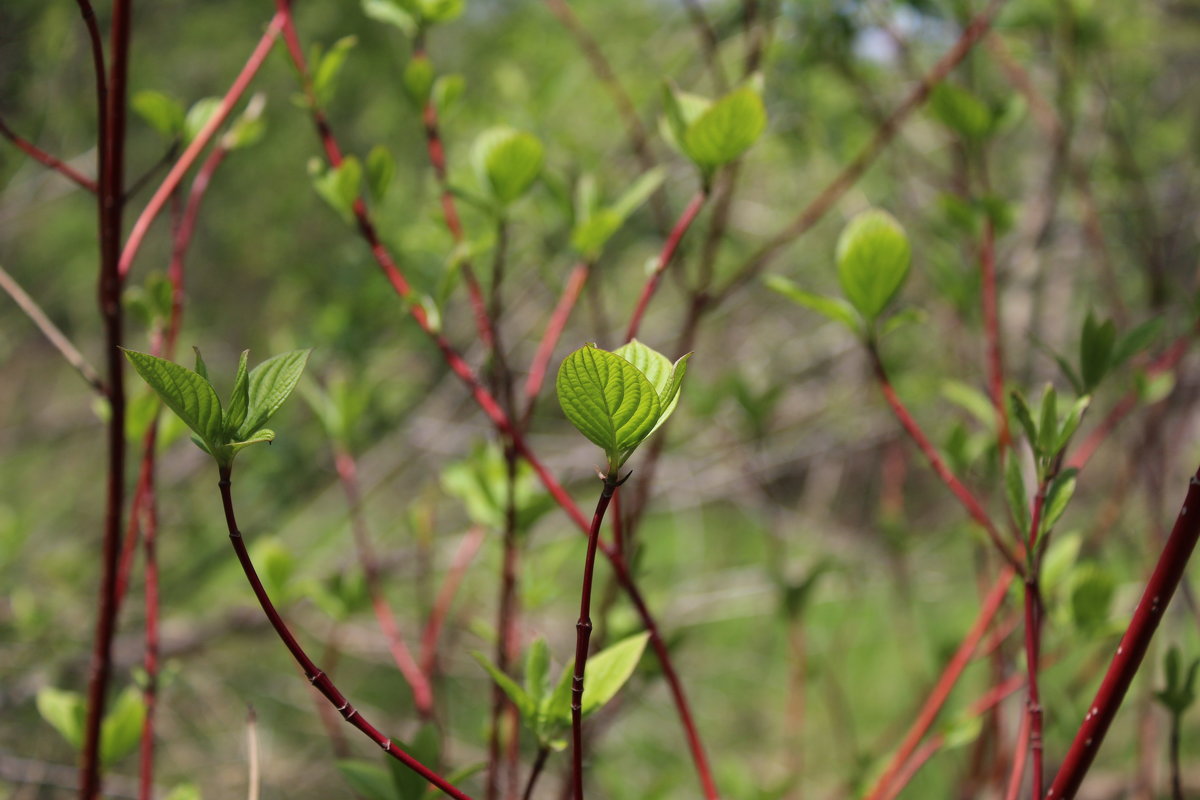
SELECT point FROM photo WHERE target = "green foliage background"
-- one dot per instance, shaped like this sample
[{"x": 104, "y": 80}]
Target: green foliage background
[{"x": 782, "y": 459}]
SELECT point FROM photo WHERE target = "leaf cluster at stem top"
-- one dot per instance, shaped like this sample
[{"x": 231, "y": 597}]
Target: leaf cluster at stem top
[{"x": 223, "y": 432}]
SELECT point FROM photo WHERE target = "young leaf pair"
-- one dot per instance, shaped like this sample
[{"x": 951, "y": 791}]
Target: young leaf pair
[
  {"x": 547, "y": 713},
  {"x": 873, "y": 256},
  {"x": 617, "y": 399},
  {"x": 223, "y": 432}
]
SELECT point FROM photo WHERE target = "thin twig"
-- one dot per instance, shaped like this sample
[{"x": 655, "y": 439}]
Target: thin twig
[
  {"x": 322, "y": 682},
  {"x": 554, "y": 328},
  {"x": 946, "y": 681},
  {"x": 445, "y": 597},
  {"x": 44, "y": 158},
  {"x": 664, "y": 260},
  {"x": 956, "y": 486},
  {"x": 194, "y": 148},
  {"x": 253, "y": 780},
  {"x": 52, "y": 332}
]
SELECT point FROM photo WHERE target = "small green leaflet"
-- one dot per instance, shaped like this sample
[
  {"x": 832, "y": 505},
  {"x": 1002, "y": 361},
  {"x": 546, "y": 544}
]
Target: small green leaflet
[
  {"x": 610, "y": 398},
  {"x": 727, "y": 129},
  {"x": 507, "y": 162},
  {"x": 872, "y": 259},
  {"x": 257, "y": 395}
]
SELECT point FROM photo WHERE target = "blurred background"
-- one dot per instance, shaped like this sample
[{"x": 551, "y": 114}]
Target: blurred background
[{"x": 810, "y": 573}]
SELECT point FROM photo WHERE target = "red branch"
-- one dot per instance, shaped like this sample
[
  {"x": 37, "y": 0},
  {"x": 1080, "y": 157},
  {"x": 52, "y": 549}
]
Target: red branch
[
  {"x": 664, "y": 260},
  {"x": 554, "y": 328},
  {"x": 42, "y": 157},
  {"x": 185, "y": 162},
  {"x": 322, "y": 682},
  {"x": 583, "y": 632},
  {"x": 974, "y": 509},
  {"x": 416, "y": 679},
  {"x": 985, "y": 703},
  {"x": 1158, "y": 593},
  {"x": 445, "y": 597},
  {"x": 437, "y": 158},
  {"x": 500, "y": 420},
  {"x": 941, "y": 690},
  {"x": 110, "y": 207}
]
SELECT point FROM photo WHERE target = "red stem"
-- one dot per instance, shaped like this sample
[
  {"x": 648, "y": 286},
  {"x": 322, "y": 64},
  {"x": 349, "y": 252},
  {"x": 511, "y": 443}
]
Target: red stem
[
  {"x": 437, "y": 158},
  {"x": 991, "y": 326},
  {"x": 583, "y": 632},
  {"x": 500, "y": 420},
  {"x": 664, "y": 260},
  {"x": 1019, "y": 756},
  {"x": 1158, "y": 593},
  {"x": 941, "y": 690},
  {"x": 315, "y": 676},
  {"x": 112, "y": 171},
  {"x": 44, "y": 158},
  {"x": 554, "y": 328},
  {"x": 150, "y": 662},
  {"x": 185, "y": 162},
  {"x": 974, "y": 509},
  {"x": 985, "y": 703},
  {"x": 441, "y": 605},
  {"x": 1033, "y": 641},
  {"x": 418, "y": 681}
]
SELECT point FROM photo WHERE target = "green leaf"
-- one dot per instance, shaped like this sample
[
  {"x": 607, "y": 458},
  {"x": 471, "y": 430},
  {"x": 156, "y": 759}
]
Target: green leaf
[
  {"x": 326, "y": 71},
  {"x": 1018, "y": 501},
  {"x": 537, "y": 670},
  {"x": 249, "y": 127},
  {"x": 391, "y": 13},
  {"x": 1020, "y": 410},
  {"x": 65, "y": 711},
  {"x": 960, "y": 111},
  {"x": 1137, "y": 340},
  {"x": 239, "y": 401},
  {"x": 726, "y": 130},
  {"x": 1092, "y": 590},
  {"x": 1071, "y": 423},
  {"x": 556, "y": 709},
  {"x": 201, "y": 367},
  {"x": 338, "y": 186},
  {"x": 1048, "y": 425},
  {"x": 872, "y": 257},
  {"x": 161, "y": 112},
  {"x": 276, "y": 567},
  {"x": 608, "y": 400},
  {"x": 480, "y": 481},
  {"x": 440, "y": 10},
  {"x": 424, "y": 747},
  {"x": 184, "y": 791},
  {"x": 1095, "y": 351},
  {"x": 680, "y": 109},
  {"x": 446, "y": 91},
  {"x": 834, "y": 308},
  {"x": 186, "y": 393},
  {"x": 589, "y": 236},
  {"x": 121, "y": 730},
  {"x": 607, "y": 671},
  {"x": 1059, "y": 559},
  {"x": 515, "y": 693},
  {"x": 972, "y": 400},
  {"x": 198, "y": 116},
  {"x": 418, "y": 79},
  {"x": 1057, "y": 497},
  {"x": 367, "y": 779},
  {"x": 507, "y": 162},
  {"x": 271, "y": 382},
  {"x": 381, "y": 168},
  {"x": 638, "y": 192}
]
